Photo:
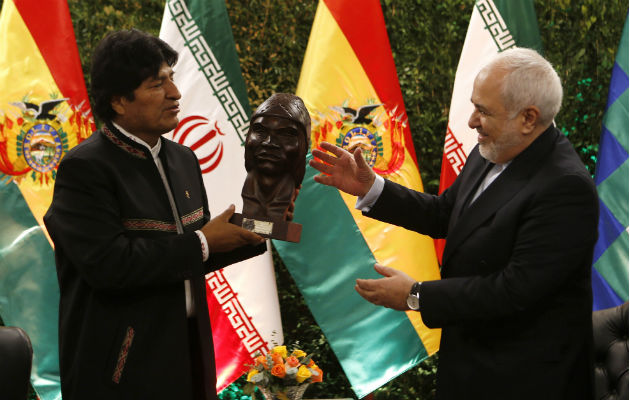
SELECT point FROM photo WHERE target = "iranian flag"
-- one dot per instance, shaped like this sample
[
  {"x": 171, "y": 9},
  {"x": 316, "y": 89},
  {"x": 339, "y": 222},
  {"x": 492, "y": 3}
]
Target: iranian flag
[
  {"x": 44, "y": 111},
  {"x": 349, "y": 84},
  {"x": 495, "y": 26},
  {"x": 214, "y": 119}
]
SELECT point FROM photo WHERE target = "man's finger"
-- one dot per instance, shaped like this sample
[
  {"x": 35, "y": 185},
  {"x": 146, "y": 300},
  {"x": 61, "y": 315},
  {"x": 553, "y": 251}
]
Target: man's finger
[
  {"x": 358, "y": 158},
  {"x": 252, "y": 237},
  {"x": 325, "y": 157},
  {"x": 367, "y": 294},
  {"x": 325, "y": 168},
  {"x": 362, "y": 292},
  {"x": 338, "y": 151},
  {"x": 324, "y": 180},
  {"x": 366, "y": 284}
]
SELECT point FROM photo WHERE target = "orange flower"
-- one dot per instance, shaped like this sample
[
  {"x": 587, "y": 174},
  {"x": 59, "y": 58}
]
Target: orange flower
[
  {"x": 277, "y": 358},
  {"x": 293, "y": 361},
  {"x": 278, "y": 370},
  {"x": 317, "y": 378},
  {"x": 262, "y": 360},
  {"x": 311, "y": 363}
]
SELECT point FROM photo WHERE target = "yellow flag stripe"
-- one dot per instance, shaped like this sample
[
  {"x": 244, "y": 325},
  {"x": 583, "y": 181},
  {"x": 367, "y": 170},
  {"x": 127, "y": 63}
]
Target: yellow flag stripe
[
  {"x": 24, "y": 72},
  {"x": 332, "y": 75}
]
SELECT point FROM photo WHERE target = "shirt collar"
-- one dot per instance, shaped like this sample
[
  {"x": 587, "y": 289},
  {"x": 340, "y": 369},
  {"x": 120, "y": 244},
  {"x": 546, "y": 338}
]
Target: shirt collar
[
  {"x": 155, "y": 150},
  {"x": 502, "y": 167}
]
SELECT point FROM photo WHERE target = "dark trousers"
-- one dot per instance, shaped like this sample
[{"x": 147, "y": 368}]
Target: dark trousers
[{"x": 196, "y": 361}]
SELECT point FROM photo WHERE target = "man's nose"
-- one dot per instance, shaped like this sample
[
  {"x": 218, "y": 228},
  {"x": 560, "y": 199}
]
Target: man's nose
[
  {"x": 473, "y": 121},
  {"x": 172, "y": 92}
]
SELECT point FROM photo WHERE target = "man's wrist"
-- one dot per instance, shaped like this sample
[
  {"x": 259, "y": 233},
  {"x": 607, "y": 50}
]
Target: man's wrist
[{"x": 365, "y": 203}]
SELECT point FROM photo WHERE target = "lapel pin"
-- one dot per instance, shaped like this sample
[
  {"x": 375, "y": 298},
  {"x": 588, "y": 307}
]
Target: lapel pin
[{"x": 187, "y": 194}]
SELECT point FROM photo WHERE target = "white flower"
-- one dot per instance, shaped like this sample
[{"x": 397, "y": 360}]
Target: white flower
[{"x": 257, "y": 378}]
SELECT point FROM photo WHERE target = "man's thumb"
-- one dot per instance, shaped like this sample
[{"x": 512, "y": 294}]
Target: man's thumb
[
  {"x": 383, "y": 270},
  {"x": 227, "y": 214}
]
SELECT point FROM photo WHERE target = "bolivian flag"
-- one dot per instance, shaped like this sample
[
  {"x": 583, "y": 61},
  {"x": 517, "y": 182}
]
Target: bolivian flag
[
  {"x": 351, "y": 89},
  {"x": 44, "y": 111}
]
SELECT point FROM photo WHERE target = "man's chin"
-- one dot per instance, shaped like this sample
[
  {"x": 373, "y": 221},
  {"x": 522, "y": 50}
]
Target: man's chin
[{"x": 488, "y": 152}]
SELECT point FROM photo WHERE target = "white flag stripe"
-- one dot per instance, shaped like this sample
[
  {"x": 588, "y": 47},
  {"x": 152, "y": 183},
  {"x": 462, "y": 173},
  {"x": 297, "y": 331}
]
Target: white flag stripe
[
  {"x": 486, "y": 36},
  {"x": 213, "y": 123}
]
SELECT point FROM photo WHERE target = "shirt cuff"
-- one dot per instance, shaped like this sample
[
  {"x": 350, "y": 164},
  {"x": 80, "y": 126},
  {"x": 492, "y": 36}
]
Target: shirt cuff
[
  {"x": 365, "y": 203},
  {"x": 205, "y": 250}
]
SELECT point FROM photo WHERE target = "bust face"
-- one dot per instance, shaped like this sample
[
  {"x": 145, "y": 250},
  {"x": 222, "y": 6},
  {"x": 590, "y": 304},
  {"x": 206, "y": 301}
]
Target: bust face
[{"x": 272, "y": 146}]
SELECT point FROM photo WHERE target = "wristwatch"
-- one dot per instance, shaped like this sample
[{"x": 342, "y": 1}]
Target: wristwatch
[{"x": 413, "y": 300}]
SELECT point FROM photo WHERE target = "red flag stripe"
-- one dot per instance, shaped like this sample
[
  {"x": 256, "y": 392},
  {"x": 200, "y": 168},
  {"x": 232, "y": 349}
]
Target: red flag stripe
[
  {"x": 362, "y": 24},
  {"x": 42, "y": 17}
]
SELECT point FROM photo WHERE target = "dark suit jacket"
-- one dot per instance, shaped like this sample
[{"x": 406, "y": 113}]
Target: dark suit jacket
[
  {"x": 515, "y": 297},
  {"x": 123, "y": 331}
]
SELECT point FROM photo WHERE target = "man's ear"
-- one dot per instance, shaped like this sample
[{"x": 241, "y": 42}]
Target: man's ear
[
  {"x": 118, "y": 104},
  {"x": 529, "y": 118}
]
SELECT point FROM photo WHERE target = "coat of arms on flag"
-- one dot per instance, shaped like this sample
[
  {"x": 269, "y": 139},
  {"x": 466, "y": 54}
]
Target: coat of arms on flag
[
  {"x": 34, "y": 137},
  {"x": 370, "y": 127}
]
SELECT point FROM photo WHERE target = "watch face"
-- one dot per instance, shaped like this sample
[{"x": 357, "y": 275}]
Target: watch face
[{"x": 413, "y": 302}]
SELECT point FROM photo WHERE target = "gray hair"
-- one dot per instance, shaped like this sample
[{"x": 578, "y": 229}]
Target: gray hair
[{"x": 529, "y": 80}]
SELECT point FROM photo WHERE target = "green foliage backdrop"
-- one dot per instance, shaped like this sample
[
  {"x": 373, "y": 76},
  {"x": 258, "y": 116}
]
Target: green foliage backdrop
[{"x": 580, "y": 38}]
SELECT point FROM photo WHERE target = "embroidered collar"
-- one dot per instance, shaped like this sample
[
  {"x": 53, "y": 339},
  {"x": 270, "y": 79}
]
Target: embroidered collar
[
  {"x": 155, "y": 150},
  {"x": 124, "y": 143}
]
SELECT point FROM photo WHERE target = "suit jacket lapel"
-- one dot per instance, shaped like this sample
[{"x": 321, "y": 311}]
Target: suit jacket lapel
[
  {"x": 506, "y": 186},
  {"x": 469, "y": 188}
]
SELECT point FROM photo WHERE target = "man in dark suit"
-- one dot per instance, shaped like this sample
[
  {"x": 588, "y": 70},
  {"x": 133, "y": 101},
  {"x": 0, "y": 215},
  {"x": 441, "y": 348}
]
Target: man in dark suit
[
  {"x": 514, "y": 301},
  {"x": 133, "y": 239}
]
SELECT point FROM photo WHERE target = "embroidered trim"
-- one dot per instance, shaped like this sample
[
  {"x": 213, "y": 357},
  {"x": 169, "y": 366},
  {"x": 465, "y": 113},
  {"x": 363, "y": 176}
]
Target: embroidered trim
[
  {"x": 124, "y": 146},
  {"x": 205, "y": 252},
  {"x": 193, "y": 217},
  {"x": 122, "y": 356},
  {"x": 149, "y": 225}
]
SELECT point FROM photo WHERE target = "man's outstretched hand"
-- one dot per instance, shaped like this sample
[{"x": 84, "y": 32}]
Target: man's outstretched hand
[
  {"x": 347, "y": 172},
  {"x": 390, "y": 291}
]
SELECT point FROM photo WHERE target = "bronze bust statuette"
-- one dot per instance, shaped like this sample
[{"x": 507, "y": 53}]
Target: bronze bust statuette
[{"x": 275, "y": 160}]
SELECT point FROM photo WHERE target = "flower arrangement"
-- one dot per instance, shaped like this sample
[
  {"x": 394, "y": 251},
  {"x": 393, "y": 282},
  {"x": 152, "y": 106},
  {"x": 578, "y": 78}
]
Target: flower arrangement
[{"x": 280, "y": 375}]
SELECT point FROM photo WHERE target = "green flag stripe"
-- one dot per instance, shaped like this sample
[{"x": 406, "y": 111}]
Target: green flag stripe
[
  {"x": 213, "y": 21},
  {"x": 622, "y": 50},
  {"x": 29, "y": 295},
  {"x": 332, "y": 253},
  {"x": 224, "y": 78},
  {"x": 614, "y": 193},
  {"x": 616, "y": 119},
  {"x": 521, "y": 21},
  {"x": 613, "y": 265}
]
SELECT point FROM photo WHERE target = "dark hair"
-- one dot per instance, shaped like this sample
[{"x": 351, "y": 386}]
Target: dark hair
[{"x": 121, "y": 62}]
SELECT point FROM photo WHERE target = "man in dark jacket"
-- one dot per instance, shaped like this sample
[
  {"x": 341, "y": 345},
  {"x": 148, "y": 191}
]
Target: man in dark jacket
[
  {"x": 133, "y": 239},
  {"x": 514, "y": 302}
]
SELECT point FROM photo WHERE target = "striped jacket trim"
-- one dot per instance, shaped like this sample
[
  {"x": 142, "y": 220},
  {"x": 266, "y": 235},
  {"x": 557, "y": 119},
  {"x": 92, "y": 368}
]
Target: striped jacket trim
[
  {"x": 149, "y": 225},
  {"x": 193, "y": 217},
  {"x": 124, "y": 146},
  {"x": 122, "y": 356}
]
